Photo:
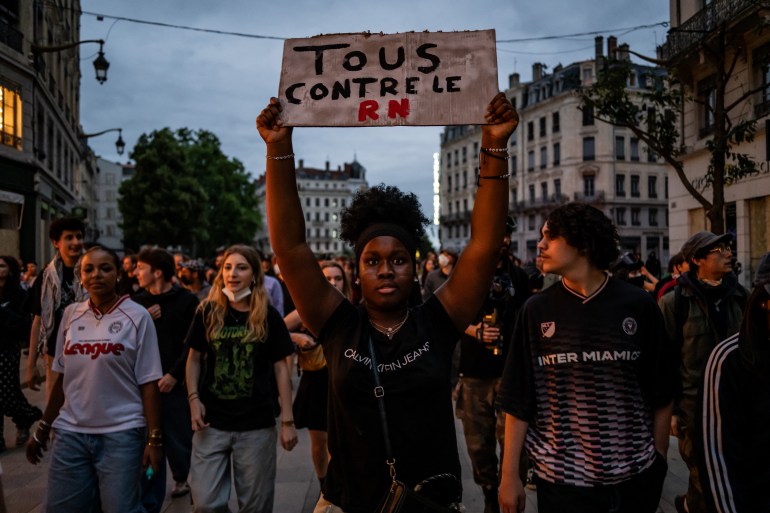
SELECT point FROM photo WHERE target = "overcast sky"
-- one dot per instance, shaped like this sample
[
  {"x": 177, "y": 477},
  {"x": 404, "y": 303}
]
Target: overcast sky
[{"x": 166, "y": 77}]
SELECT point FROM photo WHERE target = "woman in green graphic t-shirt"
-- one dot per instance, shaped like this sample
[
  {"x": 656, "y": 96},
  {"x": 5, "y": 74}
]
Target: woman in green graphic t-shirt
[{"x": 238, "y": 345}]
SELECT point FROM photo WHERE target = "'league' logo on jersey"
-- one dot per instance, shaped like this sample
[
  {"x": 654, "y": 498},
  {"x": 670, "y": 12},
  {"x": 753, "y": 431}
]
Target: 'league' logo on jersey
[
  {"x": 548, "y": 329},
  {"x": 115, "y": 327},
  {"x": 629, "y": 325}
]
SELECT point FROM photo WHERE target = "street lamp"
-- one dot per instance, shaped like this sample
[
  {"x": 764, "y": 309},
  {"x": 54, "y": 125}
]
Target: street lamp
[
  {"x": 101, "y": 65},
  {"x": 120, "y": 145}
]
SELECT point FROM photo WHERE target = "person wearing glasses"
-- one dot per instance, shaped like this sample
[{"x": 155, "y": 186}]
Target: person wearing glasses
[{"x": 704, "y": 309}]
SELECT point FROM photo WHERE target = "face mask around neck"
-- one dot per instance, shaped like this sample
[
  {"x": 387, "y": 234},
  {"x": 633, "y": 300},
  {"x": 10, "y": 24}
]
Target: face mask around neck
[{"x": 235, "y": 297}]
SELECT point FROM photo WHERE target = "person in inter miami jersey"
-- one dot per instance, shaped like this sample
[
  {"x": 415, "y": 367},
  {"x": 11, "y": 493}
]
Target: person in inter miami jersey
[{"x": 588, "y": 381}]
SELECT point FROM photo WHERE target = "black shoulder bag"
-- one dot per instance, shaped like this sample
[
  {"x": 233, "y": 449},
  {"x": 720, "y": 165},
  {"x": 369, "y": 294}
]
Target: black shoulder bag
[{"x": 437, "y": 494}]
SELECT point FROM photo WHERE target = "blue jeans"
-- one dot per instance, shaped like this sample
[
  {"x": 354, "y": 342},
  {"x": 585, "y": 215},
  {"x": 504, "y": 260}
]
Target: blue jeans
[
  {"x": 177, "y": 445},
  {"x": 253, "y": 463},
  {"x": 87, "y": 470}
]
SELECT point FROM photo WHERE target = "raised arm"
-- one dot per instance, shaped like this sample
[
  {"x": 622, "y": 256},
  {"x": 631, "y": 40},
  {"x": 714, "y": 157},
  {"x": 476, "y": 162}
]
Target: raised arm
[
  {"x": 465, "y": 289},
  {"x": 313, "y": 296}
]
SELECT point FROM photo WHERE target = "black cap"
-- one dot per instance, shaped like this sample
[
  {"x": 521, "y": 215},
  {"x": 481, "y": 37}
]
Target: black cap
[{"x": 701, "y": 241}]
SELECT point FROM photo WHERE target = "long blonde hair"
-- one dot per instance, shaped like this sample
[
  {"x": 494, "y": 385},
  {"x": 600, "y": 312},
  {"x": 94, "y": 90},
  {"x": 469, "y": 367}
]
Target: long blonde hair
[{"x": 215, "y": 305}]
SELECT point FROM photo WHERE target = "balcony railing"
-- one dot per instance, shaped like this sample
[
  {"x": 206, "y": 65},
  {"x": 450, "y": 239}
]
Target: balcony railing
[
  {"x": 762, "y": 109},
  {"x": 10, "y": 36},
  {"x": 697, "y": 27}
]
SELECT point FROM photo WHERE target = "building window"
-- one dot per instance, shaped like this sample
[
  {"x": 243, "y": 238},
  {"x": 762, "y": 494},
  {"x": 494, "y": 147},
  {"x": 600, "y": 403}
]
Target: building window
[
  {"x": 588, "y": 115},
  {"x": 542, "y": 127},
  {"x": 652, "y": 186},
  {"x": 343, "y": 202},
  {"x": 620, "y": 185},
  {"x": 635, "y": 186},
  {"x": 620, "y": 147},
  {"x": 555, "y": 122},
  {"x": 531, "y": 161},
  {"x": 588, "y": 186},
  {"x": 531, "y": 223},
  {"x": 513, "y": 165},
  {"x": 707, "y": 94},
  {"x": 531, "y": 193},
  {"x": 634, "y": 149},
  {"x": 326, "y": 217},
  {"x": 449, "y": 160},
  {"x": 530, "y": 131},
  {"x": 620, "y": 216},
  {"x": 665, "y": 187},
  {"x": 465, "y": 179},
  {"x": 326, "y": 202},
  {"x": 653, "y": 214},
  {"x": 465, "y": 154},
  {"x": 307, "y": 216},
  {"x": 544, "y": 190},
  {"x": 588, "y": 148},
  {"x": 457, "y": 181},
  {"x": 543, "y": 157},
  {"x": 557, "y": 188},
  {"x": 10, "y": 115},
  {"x": 465, "y": 205},
  {"x": 456, "y": 157},
  {"x": 318, "y": 202},
  {"x": 635, "y": 217},
  {"x": 556, "y": 154}
]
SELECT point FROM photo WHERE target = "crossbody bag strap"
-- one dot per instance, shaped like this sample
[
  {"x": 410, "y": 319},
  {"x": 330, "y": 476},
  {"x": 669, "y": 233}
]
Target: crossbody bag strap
[{"x": 379, "y": 393}]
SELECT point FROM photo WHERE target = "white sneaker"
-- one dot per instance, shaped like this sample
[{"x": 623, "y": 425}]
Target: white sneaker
[{"x": 180, "y": 489}]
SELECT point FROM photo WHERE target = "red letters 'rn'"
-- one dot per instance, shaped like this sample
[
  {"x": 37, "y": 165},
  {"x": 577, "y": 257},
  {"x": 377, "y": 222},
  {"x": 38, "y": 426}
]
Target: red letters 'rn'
[{"x": 368, "y": 109}]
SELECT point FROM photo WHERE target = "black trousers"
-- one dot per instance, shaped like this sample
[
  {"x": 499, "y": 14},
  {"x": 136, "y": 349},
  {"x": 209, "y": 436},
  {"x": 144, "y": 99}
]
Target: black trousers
[{"x": 640, "y": 494}]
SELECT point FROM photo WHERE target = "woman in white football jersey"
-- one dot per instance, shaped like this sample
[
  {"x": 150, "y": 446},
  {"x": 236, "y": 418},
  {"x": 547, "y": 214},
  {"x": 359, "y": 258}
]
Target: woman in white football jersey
[{"x": 105, "y": 401}]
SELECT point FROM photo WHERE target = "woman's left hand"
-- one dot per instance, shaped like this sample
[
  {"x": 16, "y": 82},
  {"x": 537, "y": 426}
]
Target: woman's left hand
[
  {"x": 152, "y": 456},
  {"x": 502, "y": 119},
  {"x": 288, "y": 437}
]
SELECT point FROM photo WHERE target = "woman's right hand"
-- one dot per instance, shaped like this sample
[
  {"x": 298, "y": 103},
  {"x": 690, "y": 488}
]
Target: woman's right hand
[
  {"x": 35, "y": 450},
  {"x": 198, "y": 413},
  {"x": 270, "y": 126}
]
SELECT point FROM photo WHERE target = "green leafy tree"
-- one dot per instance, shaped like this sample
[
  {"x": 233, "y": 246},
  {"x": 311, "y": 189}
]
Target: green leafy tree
[
  {"x": 652, "y": 115},
  {"x": 187, "y": 192}
]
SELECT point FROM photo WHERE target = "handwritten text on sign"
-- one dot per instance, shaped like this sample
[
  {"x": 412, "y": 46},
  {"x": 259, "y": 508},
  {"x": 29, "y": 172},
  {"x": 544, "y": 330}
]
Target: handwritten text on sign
[{"x": 416, "y": 78}]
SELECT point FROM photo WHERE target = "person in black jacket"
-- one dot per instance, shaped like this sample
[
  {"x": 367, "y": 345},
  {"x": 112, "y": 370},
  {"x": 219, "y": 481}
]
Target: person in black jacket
[
  {"x": 14, "y": 328},
  {"x": 172, "y": 309},
  {"x": 731, "y": 442}
]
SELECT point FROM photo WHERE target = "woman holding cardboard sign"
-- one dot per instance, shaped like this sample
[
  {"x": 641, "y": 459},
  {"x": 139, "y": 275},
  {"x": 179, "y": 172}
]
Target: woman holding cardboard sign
[{"x": 406, "y": 405}]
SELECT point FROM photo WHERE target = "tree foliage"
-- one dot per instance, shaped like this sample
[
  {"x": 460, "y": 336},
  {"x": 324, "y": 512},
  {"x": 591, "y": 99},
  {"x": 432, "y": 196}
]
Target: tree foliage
[
  {"x": 187, "y": 192},
  {"x": 653, "y": 116}
]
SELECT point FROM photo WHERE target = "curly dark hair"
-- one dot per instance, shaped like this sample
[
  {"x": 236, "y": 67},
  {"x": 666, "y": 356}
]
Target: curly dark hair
[
  {"x": 382, "y": 204},
  {"x": 587, "y": 229}
]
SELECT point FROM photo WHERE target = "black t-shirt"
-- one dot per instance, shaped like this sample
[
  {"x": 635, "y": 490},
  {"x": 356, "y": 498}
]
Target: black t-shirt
[
  {"x": 587, "y": 374},
  {"x": 238, "y": 385},
  {"x": 415, "y": 373},
  {"x": 67, "y": 298}
]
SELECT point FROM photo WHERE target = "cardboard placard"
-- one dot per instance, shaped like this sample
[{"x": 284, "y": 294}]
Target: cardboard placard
[{"x": 415, "y": 78}]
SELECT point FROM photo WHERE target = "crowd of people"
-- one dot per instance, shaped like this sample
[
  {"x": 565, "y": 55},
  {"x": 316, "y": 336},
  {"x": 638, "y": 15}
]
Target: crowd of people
[{"x": 568, "y": 374}]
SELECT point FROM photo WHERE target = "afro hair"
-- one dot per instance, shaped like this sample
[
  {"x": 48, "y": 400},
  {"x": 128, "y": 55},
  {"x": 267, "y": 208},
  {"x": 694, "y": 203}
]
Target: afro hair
[{"x": 382, "y": 204}]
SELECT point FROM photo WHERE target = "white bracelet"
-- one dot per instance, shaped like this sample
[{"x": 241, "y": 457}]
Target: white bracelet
[{"x": 282, "y": 157}]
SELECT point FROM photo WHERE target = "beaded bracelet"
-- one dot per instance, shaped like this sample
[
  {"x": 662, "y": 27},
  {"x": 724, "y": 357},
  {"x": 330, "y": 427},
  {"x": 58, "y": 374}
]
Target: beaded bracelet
[
  {"x": 282, "y": 157},
  {"x": 494, "y": 149},
  {"x": 287, "y": 422},
  {"x": 45, "y": 425},
  {"x": 499, "y": 157},
  {"x": 158, "y": 444},
  {"x": 491, "y": 177}
]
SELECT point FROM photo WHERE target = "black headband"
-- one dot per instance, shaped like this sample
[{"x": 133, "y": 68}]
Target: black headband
[{"x": 389, "y": 229}]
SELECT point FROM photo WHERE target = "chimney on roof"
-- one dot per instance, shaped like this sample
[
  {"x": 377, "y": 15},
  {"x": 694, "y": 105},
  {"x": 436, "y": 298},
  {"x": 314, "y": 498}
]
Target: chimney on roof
[
  {"x": 327, "y": 165},
  {"x": 599, "y": 47},
  {"x": 612, "y": 45},
  {"x": 537, "y": 71},
  {"x": 623, "y": 54},
  {"x": 513, "y": 80},
  {"x": 301, "y": 163}
]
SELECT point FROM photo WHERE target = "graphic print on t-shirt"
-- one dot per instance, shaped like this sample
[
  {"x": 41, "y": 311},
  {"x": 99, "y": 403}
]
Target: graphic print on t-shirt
[{"x": 234, "y": 367}]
